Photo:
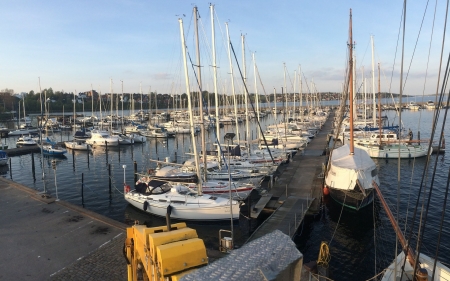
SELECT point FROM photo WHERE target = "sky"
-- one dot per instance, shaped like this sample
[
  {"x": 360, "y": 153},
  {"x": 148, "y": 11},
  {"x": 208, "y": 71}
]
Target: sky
[{"x": 72, "y": 46}]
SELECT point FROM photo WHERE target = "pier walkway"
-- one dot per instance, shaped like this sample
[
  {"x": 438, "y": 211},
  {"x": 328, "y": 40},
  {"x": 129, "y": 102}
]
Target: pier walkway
[
  {"x": 46, "y": 239},
  {"x": 298, "y": 191}
]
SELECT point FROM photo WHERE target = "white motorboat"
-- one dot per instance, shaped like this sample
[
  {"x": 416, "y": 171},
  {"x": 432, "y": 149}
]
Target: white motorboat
[
  {"x": 102, "y": 138},
  {"x": 25, "y": 141},
  {"x": 137, "y": 138},
  {"x": 19, "y": 132},
  {"x": 77, "y": 145}
]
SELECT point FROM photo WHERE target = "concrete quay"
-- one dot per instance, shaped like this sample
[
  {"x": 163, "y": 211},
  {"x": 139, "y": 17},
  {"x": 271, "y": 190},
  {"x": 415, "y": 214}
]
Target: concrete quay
[
  {"x": 46, "y": 239},
  {"x": 298, "y": 190}
]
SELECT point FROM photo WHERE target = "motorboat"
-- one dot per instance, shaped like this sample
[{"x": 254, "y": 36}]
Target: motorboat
[
  {"x": 102, "y": 138},
  {"x": 25, "y": 141},
  {"x": 77, "y": 145}
]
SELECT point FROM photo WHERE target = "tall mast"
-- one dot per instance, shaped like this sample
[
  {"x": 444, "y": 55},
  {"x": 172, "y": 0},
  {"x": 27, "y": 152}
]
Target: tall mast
[
  {"x": 111, "y": 99},
  {"x": 232, "y": 86},
  {"x": 350, "y": 85},
  {"x": 92, "y": 104},
  {"x": 199, "y": 73},
  {"x": 301, "y": 93},
  {"x": 379, "y": 102},
  {"x": 216, "y": 94},
  {"x": 191, "y": 120},
  {"x": 122, "y": 105},
  {"x": 247, "y": 129},
  {"x": 374, "y": 111},
  {"x": 256, "y": 94}
]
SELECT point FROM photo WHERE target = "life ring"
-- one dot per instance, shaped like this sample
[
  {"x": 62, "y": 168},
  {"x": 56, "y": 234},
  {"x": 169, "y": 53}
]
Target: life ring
[{"x": 126, "y": 188}]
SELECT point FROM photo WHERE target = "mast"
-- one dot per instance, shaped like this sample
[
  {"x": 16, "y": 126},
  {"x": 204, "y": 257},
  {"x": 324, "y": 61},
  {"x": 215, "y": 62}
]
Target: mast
[
  {"x": 374, "y": 111},
  {"x": 232, "y": 86},
  {"x": 111, "y": 100},
  {"x": 122, "y": 105},
  {"x": 247, "y": 129},
  {"x": 191, "y": 120},
  {"x": 350, "y": 47},
  {"x": 199, "y": 73},
  {"x": 256, "y": 94},
  {"x": 379, "y": 103},
  {"x": 216, "y": 94},
  {"x": 92, "y": 105}
]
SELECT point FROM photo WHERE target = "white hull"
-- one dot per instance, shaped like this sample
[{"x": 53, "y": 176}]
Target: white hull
[
  {"x": 187, "y": 206},
  {"x": 403, "y": 151},
  {"x": 442, "y": 271},
  {"x": 77, "y": 145}
]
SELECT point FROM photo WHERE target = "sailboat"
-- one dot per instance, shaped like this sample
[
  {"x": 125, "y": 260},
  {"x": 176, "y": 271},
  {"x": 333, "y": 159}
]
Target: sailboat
[
  {"x": 160, "y": 198},
  {"x": 351, "y": 172},
  {"x": 76, "y": 144},
  {"x": 392, "y": 148}
]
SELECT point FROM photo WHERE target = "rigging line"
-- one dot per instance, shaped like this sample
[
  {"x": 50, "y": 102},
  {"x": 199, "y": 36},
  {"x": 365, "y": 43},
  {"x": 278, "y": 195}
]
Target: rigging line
[
  {"x": 435, "y": 119},
  {"x": 339, "y": 219},
  {"x": 374, "y": 237},
  {"x": 396, "y": 49},
  {"x": 207, "y": 112},
  {"x": 440, "y": 143},
  {"x": 415, "y": 46},
  {"x": 251, "y": 103},
  {"x": 428, "y": 58}
]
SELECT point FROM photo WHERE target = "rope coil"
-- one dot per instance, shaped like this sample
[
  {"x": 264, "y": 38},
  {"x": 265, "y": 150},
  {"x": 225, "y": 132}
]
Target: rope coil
[{"x": 324, "y": 255}]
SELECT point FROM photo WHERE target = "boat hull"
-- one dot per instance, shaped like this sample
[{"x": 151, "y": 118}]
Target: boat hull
[
  {"x": 352, "y": 199},
  {"x": 181, "y": 209}
]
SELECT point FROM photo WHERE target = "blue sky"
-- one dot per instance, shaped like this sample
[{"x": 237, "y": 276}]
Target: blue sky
[{"x": 73, "y": 44}]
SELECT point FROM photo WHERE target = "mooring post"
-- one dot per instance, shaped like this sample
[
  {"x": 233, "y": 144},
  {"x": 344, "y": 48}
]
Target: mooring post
[
  {"x": 176, "y": 160},
  {"x": 32, "y": 167},
  {"x": 73, "y": 158},
  {"x": 10, "y": 168},
  {"x": 135, "y": 173},
  {"x": 106, "y": 146},
  {"x": 109, "y": 174},
  {"x": 82, "y": 188}
]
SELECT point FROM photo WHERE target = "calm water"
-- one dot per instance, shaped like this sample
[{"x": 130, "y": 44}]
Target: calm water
[{"x": 356, "y": 238}]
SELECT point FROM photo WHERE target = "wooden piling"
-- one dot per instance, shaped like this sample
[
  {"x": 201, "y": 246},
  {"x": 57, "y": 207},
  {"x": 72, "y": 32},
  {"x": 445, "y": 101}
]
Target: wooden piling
[
  {"x": 33, "y": 169},
  {"x": 82, "y": 188},
  {"x": 109, "y": 174},
  {"x": 135, "y": 173}
]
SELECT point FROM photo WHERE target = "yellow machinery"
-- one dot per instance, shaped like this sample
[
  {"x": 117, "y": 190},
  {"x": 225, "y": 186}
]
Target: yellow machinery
[{"x": 158, "y": 253}]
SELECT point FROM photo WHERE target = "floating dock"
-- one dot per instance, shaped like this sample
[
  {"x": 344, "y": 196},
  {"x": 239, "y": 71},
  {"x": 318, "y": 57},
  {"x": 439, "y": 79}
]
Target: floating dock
[{"x": 298, "y": 191}]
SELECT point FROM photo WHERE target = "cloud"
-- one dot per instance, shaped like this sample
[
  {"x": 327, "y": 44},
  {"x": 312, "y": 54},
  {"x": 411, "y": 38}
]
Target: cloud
[{"x": 162, "y": 76}]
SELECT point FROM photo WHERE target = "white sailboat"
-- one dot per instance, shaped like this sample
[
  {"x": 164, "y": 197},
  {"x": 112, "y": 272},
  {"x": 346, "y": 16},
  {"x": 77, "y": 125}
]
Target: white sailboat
[
  {"x": 351, "y": 172},
  {"x": 76, "y": 144},
  {"x": 183, "y": 203}
]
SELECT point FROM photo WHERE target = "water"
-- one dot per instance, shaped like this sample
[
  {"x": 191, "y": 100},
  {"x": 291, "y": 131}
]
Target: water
[
  {"x": 353, "y": 247},
  {"x": 363, "y": 243}
]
